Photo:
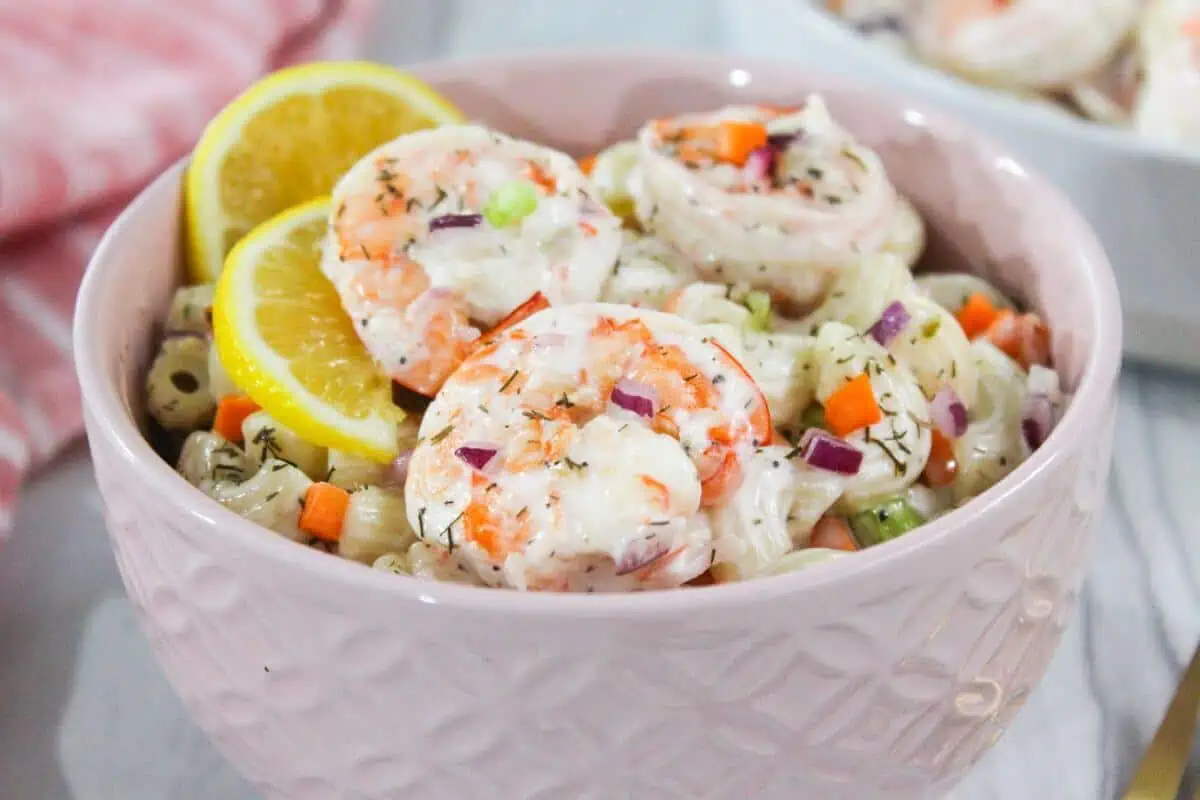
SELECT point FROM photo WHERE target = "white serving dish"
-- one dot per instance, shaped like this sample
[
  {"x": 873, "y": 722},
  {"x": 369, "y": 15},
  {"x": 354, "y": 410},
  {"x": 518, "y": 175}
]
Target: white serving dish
[{"x": 1142, "y": 198}]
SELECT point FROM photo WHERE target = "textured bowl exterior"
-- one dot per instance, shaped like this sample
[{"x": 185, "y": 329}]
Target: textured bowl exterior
[
  {"x": 1137, "y": 194},
  {"x": 886, "y": 675}
]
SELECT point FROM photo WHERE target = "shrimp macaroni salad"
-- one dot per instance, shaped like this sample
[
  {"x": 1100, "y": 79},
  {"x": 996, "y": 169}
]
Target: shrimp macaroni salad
[
  {"x": 1131, "y": 63},
  {"x": 700, "y": 355}
]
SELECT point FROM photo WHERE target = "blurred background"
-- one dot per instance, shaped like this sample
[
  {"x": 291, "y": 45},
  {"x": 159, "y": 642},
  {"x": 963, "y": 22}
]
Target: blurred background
[{"x": 86, "y": 714}]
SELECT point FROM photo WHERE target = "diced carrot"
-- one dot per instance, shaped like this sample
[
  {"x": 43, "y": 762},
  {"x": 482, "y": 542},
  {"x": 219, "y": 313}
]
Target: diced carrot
[
  {"x": 539, "y": 175},
  {"x": 324, "y": 511},
  {"x": 852, "y": 406},
  {"x": 534, "y": 304},
  {"x": 232, "y": 410},
  {"x": 587, "y": 164},
  {"x": 976, "y": 315},
  {"x": 588, "y": 228},
  {"x": 1022, "y": 337},
  {"x": 736, "y": 140},
  {"x": 833, "y": 533},
  {"x": 942, "y": 466}
]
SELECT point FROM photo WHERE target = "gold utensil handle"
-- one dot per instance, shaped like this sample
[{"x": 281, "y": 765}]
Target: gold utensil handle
[{"x": 1161, "y": 771}]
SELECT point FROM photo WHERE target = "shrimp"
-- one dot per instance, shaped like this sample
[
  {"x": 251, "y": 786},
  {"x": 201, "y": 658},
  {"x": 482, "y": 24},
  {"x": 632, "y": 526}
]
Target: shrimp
[
  {"x": 583, "y": 450},
  {"x": 437, "y": 235},
  {"x": 1169, "y": 42},
  {"x": 1032, "y": 44},
  {"x": 805, "y": 202}
]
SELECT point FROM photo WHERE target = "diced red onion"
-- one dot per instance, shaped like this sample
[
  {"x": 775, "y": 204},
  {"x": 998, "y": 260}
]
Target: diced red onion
[
  {"x": 477, "y": 454},
  {"x": 1037, "y": 418},
  {"x": 948, "y": 412},
  {"x": 635, "y": 396},
  {"x": 782, "y": 141},
  {"x": 397, "y": 471},
  {"x": 759, "y": 164},
  {"x": 825, "y": 451},
  {"x": 640, "y": 553},
  {"x": 455, "y": 221},
  {"x": 894, "y": 319}
]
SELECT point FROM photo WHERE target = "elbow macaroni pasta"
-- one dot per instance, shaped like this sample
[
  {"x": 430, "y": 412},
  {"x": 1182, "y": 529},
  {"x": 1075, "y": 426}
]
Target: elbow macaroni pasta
[
  {"x": 993, "y": 445},
  {"x": 779, "y": 362},
  {"x": 647, "y": 271},
  {"x": 376, "y": 524},
  {"x": 896, "y": 448},
  {"x": 271, "y": 497},
  {"x": 772, "y": 514},
  {"x": 932, "y": 345},
  {"x": 351, "y": 472},
  {"x": 191, "y": 310},
  {"x": 265, "y": 438},
  {"x": 177, "y": 390}
]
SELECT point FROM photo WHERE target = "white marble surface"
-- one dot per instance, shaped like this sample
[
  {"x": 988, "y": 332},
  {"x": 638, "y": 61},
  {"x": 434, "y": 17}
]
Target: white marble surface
[{"x": 85, "y": 714}]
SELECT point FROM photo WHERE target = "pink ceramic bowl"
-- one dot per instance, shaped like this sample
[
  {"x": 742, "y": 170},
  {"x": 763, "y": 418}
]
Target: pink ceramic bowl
[{"x": 883, "y": 675}]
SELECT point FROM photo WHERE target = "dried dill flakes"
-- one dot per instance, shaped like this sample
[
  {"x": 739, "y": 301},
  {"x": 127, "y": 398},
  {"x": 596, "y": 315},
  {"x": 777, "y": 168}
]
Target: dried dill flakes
[
  {"x": 442, "y": 434},
  {"x": 421, "y": 523},
  {"x": 564, "y": 401},
  {"x": 511, "y": 378},
  {"x": 578, "y": 466},
  {"x": 366, "y": 255},
  {"x": 272, "y": 495},
  {"x": 448, "y": 531},
  {"x": 533, "y": 414},
  {"x": 930, "y": 329}
]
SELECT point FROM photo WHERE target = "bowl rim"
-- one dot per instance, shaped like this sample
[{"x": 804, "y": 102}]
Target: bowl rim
[
  {"x": 102, "y": 397},
  {"x": 1040, "y": 121}
]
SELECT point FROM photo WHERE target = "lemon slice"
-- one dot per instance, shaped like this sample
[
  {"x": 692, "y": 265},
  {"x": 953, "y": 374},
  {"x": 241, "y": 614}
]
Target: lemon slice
[
  {"x": 287, "y": 139},
  {"x": 281, "y": 334}
]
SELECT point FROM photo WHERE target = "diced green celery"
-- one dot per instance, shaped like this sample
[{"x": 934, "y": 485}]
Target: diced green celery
[
  {"x": 889, "y": 520},
  {"x": 510, "y": 204},
  {"x": 759, "y": 303}
]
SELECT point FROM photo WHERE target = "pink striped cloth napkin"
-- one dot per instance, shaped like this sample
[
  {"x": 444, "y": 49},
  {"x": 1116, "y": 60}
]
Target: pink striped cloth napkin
[{"x": 95, "y": 99}]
